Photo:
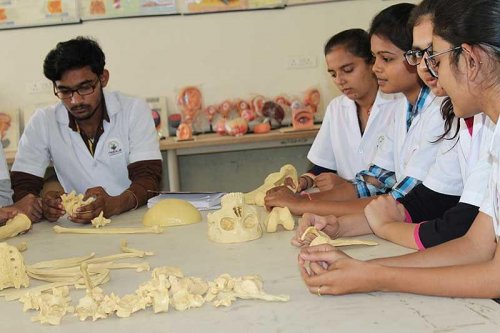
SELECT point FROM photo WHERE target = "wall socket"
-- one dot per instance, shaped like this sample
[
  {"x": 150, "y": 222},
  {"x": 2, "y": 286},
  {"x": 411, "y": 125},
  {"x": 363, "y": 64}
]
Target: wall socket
[
  {"x": 301, "y": 61},
  {"x": 39, "y": 87}
]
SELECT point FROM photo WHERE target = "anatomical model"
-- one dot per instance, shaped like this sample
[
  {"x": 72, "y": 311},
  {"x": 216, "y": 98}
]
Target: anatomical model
[
  {"x": 210, "y": 112},
  {"x": 236, "y": 127},
  {"x": 12, "y": 269},
  {"x": 226, "y": 289},
  {"x": 167, "y": 287},
  {"x": 279, "y": 216},
  {"x": 189, "y": 101},
  {"x": 235, "y": 222},
  {"x": 322, "y": 238},
  {"x": 71, "y": 202},
  {"x": 256, "y": 197},
  {"x": 245, "y": 110},
  {"x": 184, "y": 132},
  {"x": 100, "y": 221},
  {"x": 312, "y": 99},
  {"x": 52, "y": 305},
  {"x": 274, "y": 112},
  {"x": 257, "y": 104},
  {"x": 302, "y": 116},
  {"x": 15, "y": 226},
  {"x": 225, "y": 108},
  {"x": 171, "y": 212},
  {"x": 132, "y": 230}
]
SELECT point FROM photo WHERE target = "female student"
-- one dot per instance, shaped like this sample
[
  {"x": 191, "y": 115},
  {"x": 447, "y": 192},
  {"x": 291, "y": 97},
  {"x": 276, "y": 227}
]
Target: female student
[
  {"x": 431, "y": 206},
  {"x": 466, "y": 60},
  {"x": 354, "y": 122},
  {"x": 406, "y": 153}
]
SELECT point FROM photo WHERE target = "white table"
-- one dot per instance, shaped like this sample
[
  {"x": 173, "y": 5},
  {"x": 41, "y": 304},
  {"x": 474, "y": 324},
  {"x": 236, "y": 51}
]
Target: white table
[{"x": 274, "y": 259}]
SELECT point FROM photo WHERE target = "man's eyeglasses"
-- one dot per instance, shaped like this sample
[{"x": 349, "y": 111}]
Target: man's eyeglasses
[
  {"x": 83, "y": 90},
  {"x": 432, "y": 64},
  {"x": 414, "y": 57}
]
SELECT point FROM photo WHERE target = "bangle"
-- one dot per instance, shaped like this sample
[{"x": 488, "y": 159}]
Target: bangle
[
  {"x": 135, "y": 197},
  {"x": 306, "y": 193},
  {"x": 309, "y": 178}
]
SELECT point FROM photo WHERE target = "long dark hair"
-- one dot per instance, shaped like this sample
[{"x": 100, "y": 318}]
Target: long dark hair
[{"x": 475, "y": 22}]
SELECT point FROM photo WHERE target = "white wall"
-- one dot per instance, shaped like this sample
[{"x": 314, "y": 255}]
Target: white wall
[{"x": 228, "y": 55}]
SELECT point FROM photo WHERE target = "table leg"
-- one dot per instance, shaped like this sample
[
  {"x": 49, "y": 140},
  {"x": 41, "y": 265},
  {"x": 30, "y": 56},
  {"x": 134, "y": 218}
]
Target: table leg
[{"x": 173, "y": 171}]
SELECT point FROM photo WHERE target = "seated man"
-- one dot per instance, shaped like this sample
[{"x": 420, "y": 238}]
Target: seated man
[{"x": 102, "y": 144}]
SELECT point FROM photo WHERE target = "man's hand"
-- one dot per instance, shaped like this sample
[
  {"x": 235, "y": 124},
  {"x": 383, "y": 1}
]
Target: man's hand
[
  {"x": 86, "y": 213},
  {"x": 6, "y": 213},
  {"x": 31, "y": 206},
  {"x": 52, "y": 206}
]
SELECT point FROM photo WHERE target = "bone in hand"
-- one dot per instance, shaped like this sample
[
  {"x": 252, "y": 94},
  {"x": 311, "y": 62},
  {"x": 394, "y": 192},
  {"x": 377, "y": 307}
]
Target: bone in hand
[
  {"x": 16, "y": 225},
  {"x": 71, "y": 202},
  {"x": 322, "y": 238},
  {"x": 139, "y": 230}
]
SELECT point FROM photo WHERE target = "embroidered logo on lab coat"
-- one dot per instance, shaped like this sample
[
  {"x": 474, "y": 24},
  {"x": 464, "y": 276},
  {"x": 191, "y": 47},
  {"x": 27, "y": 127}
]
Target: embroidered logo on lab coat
[
  {"x": 380, "y": 141},
  {"x": 114, "y": 147}
]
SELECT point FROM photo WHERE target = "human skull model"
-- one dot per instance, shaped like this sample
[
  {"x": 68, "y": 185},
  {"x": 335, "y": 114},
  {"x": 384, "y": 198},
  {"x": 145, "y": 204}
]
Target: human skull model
[{"x": 235, "y": 222}]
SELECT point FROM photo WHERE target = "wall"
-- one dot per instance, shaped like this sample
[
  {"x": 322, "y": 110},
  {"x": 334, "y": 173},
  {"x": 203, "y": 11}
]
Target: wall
[{"x": 228, "y": 55}]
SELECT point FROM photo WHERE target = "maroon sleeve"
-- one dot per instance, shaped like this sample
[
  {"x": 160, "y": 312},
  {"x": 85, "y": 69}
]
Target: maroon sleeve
[
  {"x": 25, "y": 183},
  {"x": 145, "y": 177}
]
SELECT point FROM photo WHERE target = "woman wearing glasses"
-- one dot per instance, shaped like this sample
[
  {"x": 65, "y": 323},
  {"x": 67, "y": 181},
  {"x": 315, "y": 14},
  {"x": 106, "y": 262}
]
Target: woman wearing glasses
[
  {"x": 446, "y": 204},
  {"x": 466, "y": 61},
  {"x": 355, "y": 122},
  {"x": 102, "y": 144}
]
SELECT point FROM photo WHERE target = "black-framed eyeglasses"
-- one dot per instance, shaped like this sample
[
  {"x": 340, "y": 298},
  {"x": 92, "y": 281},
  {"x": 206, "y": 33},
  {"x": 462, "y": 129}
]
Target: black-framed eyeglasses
[
  {"x": 414, "y": 57},
  {"x": 83, "y": 90},
  {"x": 432, "y": 64}
]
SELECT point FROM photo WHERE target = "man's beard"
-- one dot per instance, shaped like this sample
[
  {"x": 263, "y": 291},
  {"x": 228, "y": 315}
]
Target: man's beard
[{"x": 86, "y": 106}]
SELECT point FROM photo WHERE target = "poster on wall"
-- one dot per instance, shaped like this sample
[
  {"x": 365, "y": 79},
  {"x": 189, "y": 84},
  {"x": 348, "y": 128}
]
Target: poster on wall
[
  {"x": 30, "y": 13},
  {"x": 307, "y": 2},
  {"x": 9, "y": 129},
  {"x": 259, "y": 4},
  {"x": 211, "y": 6},
  {"x": 158, "y": 106},
  {"x": 105, "y": 9}
]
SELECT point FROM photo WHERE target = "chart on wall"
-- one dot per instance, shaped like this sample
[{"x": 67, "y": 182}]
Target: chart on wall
[
  {"x": 307, "y": 2},
  {"x": 9, "y": 129},
  {"x": 104, "y": 9},
  {"x": 210, "y": 6},
  {"x": 29, "y": 13}
]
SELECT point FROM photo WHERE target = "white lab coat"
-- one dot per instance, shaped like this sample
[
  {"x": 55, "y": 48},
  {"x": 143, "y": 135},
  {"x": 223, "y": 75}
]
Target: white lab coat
[
  {"x": 491, "y": 202},
  {"x": 130, "y": 136},
  {"x": 455, "y": 160},
  {"x": 412, "y": 153},
  {"x": 339, "y": 145}
]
